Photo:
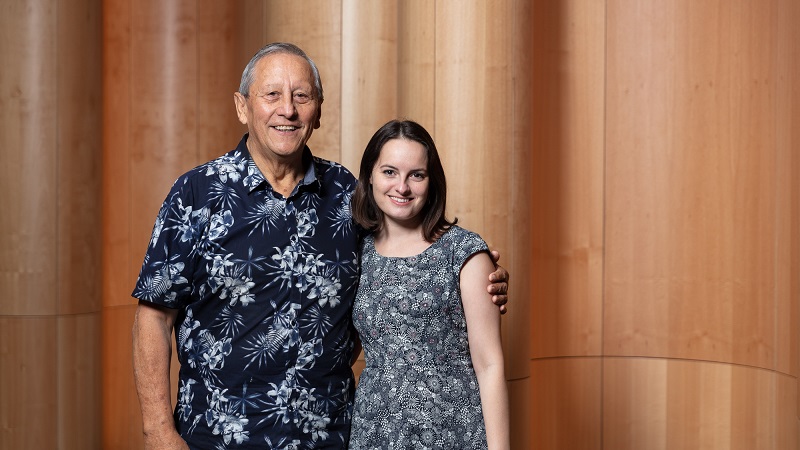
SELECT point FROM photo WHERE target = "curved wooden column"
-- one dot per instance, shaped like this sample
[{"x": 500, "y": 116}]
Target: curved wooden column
[
  {"x": 170, "y": 71},
  {"x": 667, "y": 305},
  {"x": 50, "y": 250}
]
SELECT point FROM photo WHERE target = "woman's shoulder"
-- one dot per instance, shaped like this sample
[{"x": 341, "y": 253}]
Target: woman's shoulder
[
  {"x": 458, "y": 234},
  {"x": 463, "y": 243}
]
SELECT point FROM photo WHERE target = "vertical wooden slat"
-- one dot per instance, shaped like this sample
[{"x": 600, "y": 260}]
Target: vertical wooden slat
[
  {"x": 80, "y": 419},
  {"x": 416, "y": 61},
  {"x": 691, "y": 159},
  {"x": 459, "y": 102},
  {"x": 28, "y": 115},
  {"x": 122, "y": 419},
  {"x": 29, "y": 412},
  {"x": 369, "y": 74},
  {"x": 567, "y": 178},
  {"x": 219, "y": 71},
  {"x": 50, "y": 251},
  {"x": 787, "y": 189},
  {"x": 567, "y": 401},
  {"x": 79, "y": 157}
]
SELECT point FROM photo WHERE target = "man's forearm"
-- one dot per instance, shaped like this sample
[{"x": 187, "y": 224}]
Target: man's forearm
[{"x": 152, "y": 353}]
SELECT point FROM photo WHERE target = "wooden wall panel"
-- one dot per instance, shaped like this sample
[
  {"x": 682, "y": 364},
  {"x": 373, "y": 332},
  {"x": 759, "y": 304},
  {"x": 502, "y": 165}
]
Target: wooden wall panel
[
  {"x": 665, "y": 404},
  {"x": 416, "y": 61},
  {"x": 519, "y": 394},
  {"x": 122, "y": 255},
  {"x": 50, "y": 246},
  {"x": 29, "y": 91},
  {"x": 28, "y": 367},
  {"x": 220, "y": 64},
  {"x": 122, "y": 419},
  {"x": 460, "y": 69},
  {"x": 78, "y": 377},
  {"x": 163, "y": 107},
  {"x": 78, "y": 157},
  {"x": 510, "y": 215},
  {"x": 369, "y": 74},
  {"x": 567, "y": 177},
  {"x": 567, "y": 399},
  {"x": 691, "y": 196},
  {"x": 788, "y": 199}
]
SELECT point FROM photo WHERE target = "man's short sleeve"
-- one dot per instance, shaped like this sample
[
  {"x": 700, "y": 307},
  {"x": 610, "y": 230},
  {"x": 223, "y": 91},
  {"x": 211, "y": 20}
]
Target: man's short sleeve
[{"x": 166, "y": 274}]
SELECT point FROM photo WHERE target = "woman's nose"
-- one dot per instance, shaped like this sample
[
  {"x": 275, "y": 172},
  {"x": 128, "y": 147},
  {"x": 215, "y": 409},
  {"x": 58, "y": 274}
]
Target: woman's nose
[{"x": 402, "y": 186}]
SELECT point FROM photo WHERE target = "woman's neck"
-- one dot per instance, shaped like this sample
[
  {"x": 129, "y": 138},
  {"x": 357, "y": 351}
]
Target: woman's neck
[{"x": 399, "y": 241}]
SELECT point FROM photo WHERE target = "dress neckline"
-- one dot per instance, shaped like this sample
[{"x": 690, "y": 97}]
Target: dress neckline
[{"x": 371, "y": 241}]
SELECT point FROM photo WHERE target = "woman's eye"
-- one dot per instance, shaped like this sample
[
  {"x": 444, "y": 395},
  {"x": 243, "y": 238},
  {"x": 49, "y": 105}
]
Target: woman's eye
[{"x": 388, "y": 172}]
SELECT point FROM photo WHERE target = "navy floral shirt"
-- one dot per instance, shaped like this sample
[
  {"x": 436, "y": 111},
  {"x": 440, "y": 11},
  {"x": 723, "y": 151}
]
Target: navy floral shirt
[{"x": 264, "y": 285}]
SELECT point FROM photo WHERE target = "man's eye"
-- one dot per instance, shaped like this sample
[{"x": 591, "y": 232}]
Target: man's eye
[{"x": 302, "y": 97}]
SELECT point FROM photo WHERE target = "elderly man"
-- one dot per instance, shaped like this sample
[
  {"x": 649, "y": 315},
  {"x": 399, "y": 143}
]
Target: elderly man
[{"x": 253, "y": 262}]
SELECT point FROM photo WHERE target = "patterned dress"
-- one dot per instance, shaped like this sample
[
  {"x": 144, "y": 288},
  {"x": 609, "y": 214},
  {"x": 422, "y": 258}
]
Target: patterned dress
[{"x": 418, "y": 389}]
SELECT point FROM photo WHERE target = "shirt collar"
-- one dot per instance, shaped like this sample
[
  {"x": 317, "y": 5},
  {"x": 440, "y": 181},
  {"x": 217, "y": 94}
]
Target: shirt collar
[{"x": 254, "y": 179}]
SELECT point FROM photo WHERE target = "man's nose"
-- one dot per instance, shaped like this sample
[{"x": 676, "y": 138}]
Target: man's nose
[{"x": 287, "y": 107}]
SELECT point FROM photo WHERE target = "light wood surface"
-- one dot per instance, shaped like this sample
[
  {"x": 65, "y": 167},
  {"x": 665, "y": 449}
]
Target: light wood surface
[
  {"x": 692, "y": 216},
  {"x": 29, "y": 390},
  {"x": 29, "y": 169},
  {"x": 657, "y": 403},
  {"x": 369, "y": 74},
  {"x": 50, "y": 148},
  {"x": 567, "y": 178},
  {"x": 566, "y": 403},
  {"x": 78, "y": 378}
]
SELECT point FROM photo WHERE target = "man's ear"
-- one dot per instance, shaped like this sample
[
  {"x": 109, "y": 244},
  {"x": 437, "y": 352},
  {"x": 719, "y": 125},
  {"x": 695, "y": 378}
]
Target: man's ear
[
  {"x": 240, "y": 102},
  {"x": 319, "y": 115}
]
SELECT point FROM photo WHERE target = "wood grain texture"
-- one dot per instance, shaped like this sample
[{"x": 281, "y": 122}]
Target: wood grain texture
[
  {"x": 122, "y": 253},
  {"x": 369, "y": 74},
  {"x": 691, "y": 230},
  {"x": 29, "y": 91},
  {"x": 567, "y": 178},
  {"x": 122, "y": 419},
  {"x": 519, "y": 395},
  {"x": 416, "y": 61},
  {"x": 78, "y": 377},
  {"x": 219, "y": 71},
  {"x": 787, "y": 122},
  {"x": 696, "y": 404},
  {"x": 462, "y": 121},
  {"x": 29, "y": 410},
  {"x": 78, "y": 154},
  {"x": 566, "y": 403}
]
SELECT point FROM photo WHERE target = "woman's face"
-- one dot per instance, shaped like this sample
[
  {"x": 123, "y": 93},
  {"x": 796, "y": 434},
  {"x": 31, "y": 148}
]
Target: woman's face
[{"x": 400, "y": 181}]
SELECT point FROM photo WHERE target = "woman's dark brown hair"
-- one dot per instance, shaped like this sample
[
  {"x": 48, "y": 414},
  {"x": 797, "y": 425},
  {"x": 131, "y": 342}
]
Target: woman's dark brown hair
[{"x": 366, "y": 212}]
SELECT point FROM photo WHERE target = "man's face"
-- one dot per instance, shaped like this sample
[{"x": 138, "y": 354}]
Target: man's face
[{"x": 282, "y": 108}]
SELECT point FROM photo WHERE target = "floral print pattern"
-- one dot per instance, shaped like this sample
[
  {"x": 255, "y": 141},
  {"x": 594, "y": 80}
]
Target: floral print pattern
[
  {"x": 265, "y": 286},
  {"x": 418, "y": 389}
]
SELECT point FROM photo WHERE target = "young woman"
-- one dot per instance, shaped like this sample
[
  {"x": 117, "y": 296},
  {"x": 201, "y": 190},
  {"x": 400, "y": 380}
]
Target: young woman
[{"x": 434, "y": 373}]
